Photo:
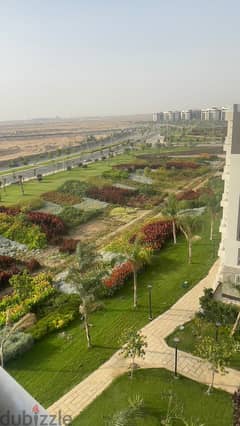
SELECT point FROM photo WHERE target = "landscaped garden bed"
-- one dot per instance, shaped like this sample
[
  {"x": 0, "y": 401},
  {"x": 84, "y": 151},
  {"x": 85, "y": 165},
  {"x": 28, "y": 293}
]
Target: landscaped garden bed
[{"x": 69, "y": 356}]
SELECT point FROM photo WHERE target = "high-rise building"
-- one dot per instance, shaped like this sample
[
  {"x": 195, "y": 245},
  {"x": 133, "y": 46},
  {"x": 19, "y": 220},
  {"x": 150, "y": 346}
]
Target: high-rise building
[{"x": 229, "y": 252}]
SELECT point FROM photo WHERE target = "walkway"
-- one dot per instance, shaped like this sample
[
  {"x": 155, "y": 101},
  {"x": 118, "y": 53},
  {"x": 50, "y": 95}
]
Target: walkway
[{"x": 158, "y": 355}]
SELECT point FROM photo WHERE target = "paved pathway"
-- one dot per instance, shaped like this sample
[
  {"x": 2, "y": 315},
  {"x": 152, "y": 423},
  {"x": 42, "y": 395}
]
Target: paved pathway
[{"x": 158, "y": 355}]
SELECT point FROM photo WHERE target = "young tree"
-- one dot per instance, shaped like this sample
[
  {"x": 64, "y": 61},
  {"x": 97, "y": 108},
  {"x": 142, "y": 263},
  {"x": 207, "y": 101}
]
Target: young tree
[
  {"x": 20, "y": 181},
  {"x": 171, "y": 210},
  {"x": 212, "y": 202},
  {"x": 217, "y": 353},
  {"x": 189, "y": 225},
  {"x": 133, "y": 252},
  {"x": 86, "y": 277},
  {"x": 134, "y": 348}
]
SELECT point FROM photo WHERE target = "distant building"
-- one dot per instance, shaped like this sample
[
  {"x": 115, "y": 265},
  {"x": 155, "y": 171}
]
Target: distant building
[
  {"x": 208, "y": 114},
  {"x": 186, "y": 115},
  {"x": 229, "y": 252}
]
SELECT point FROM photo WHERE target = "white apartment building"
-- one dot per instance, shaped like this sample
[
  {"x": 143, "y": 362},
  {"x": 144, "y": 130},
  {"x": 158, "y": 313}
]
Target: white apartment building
[{"x": 229, "y": 251}]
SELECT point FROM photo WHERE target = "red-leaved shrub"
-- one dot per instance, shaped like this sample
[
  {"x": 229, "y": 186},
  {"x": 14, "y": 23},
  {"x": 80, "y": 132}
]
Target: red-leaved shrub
[
  {"x": 50, "y": 224},
  {"x": 68, "y": 246},
  {"x": 110, "y": 194},
  {"x": 155, "y": 234},
  {"x": 119, "y": 275},
  {"x": 32, "y": 265}
]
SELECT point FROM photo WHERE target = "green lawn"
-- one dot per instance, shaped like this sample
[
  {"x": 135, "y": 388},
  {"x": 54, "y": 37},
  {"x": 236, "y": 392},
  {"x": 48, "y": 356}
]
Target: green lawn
[
  {"x": 33, "y": 189},
  {"x": 53, "y": 366},
  {"x": 188, "y": 340},
  {"x": 153, "y": 386}
]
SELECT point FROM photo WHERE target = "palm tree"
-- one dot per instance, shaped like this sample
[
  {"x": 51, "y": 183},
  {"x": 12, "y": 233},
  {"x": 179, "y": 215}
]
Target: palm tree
[
  {"x": 171, "y": 210},
  {"x": 133, "y": 252},
  {"x": 86, "y": 276},
  {"x": 189, "y": 225},
  {"x": 213, "y": 206}
]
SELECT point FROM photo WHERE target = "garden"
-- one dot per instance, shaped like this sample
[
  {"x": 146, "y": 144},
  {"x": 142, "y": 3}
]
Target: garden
[
  {"x": 106, "y": 283},
  {"x": 152, "y": 398}
]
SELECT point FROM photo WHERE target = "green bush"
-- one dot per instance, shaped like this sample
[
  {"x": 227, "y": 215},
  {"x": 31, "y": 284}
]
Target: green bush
[
  {"x": 73, "y": 217},
  {"x": 215, "y": 311},
  {"x": 55, "y": 314},
  {"x": 115, "y": 174},
  {"x": 74, "y": 187},
  {"x": 16, "y": 345},
  {"x": 15, "y": 228},
  {"x": 33, "y": 204}
]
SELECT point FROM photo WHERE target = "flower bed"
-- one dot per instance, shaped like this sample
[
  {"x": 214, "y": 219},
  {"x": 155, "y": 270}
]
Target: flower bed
[
  {"x": 10, "y": 266},
  {"x": 155, "y": 234},
  {"x": 41, "y": 289},
  {"x": 110, "y": 194},
  {"x": 61, "y": 198},
  {"x": 118, "y": 276},
  {"x": 17, "y": 228},
  {"x": 30, "y": 228},
  {"x": 51, "y": 225}
]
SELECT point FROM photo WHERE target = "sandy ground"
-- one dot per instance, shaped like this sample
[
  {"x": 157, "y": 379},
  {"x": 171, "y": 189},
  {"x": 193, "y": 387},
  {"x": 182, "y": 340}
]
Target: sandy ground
[{"x": 22, "y": 138}]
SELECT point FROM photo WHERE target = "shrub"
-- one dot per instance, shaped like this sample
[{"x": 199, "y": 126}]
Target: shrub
[
  {"x": 56, "y": 314},
  {"x": 155, "y": 234},
  {"x": 73, "y": 217},
  {"x": 39, "y": 289},
  {"x": 115, "y": 174},
  {"x": 215, "y": 311},
  {"x": 110, "y": 194},
  {"x": 33, "y": 204},
  {"x": 51, "y": 225},
  {"x": 5, "y": 277},
  {"x": 61, "y": 198},
  {"x": 74, "y": 187},
  {"x": 16, "y": 345},
  {"x": 32, "y": 265},
  {"x": 6, "y": 261},
  {"x": 16, "y": 228},
  {"x": 68, "y": 246},
  {"x": 118, "y": 276}
]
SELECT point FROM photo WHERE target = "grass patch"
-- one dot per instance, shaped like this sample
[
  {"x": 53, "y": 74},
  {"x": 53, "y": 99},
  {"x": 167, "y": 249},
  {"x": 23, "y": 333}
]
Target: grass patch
[
  {"x": 151, "y": 385},
  {"x": 53, "y": 366},
  {"x": 188, "y": 340}
]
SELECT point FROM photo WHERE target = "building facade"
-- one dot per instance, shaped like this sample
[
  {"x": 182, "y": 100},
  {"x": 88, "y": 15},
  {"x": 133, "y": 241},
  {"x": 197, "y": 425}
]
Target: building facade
[
  {"x": 208, "y": 114},
  {"x": 229, "y": 252}
]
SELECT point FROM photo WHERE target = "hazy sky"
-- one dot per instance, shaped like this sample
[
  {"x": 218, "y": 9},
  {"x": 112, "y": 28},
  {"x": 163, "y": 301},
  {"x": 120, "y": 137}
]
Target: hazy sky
[{"x": 100, "y": 57}]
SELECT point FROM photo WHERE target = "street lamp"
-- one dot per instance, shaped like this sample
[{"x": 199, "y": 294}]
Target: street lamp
[
  {"x": 150, "y": 302},
  {"x": 176, "y": 341},
  {"x": 218, "y": 325}
]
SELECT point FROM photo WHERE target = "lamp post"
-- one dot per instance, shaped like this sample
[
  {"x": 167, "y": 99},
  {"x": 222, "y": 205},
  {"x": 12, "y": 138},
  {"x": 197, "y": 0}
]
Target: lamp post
[
  {"x": 150, "y": 302},
  {"x": 218, "y": 325},
  {"x": 176, "y": 341}
]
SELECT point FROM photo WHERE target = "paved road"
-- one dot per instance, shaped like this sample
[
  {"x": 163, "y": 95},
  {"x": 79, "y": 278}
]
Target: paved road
[{"x": 61, "y": 165}]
